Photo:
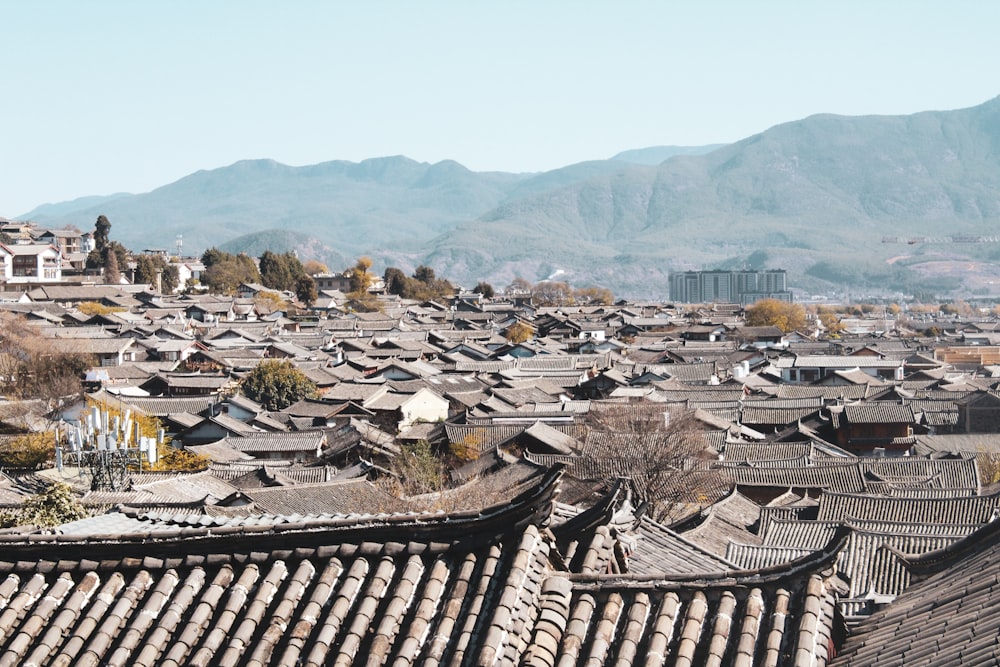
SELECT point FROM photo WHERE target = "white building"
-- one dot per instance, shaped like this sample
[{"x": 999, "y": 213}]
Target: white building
[{"x": 30, "y": 263}]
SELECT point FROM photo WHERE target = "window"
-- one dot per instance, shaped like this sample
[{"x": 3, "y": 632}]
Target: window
[{"x": 25, "y": 265}]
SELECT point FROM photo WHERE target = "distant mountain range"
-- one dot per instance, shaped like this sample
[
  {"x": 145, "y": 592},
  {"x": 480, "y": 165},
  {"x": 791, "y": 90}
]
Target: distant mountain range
[{"x": 814, "y": 196}]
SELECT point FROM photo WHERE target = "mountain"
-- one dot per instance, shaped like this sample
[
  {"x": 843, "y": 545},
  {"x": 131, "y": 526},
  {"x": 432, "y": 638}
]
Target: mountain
[
  {"x": 390, "y": 202},
  {"x": 654, "y": 155},
  {"x": 72, "y": 206},
  {"x": 814, "y": 196}
]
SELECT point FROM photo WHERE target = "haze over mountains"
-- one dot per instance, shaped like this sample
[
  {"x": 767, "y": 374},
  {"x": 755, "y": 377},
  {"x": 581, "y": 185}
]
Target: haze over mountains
[{"x": 814, "y": 196}]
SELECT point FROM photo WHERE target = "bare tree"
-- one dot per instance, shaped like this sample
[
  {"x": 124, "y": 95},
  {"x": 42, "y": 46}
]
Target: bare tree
[
  {"x": 33, "y": 367},
  {"x": 659, "y": 449}
]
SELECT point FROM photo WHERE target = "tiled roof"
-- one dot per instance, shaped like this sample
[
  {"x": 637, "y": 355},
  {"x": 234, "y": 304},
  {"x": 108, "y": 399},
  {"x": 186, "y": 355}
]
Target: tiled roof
[
  {"x": 773, "y": 618},
  {"x": 845, "y": 506},
  {"x": 337, "y": 591},
  {"x": 845, "y": 477},
  {"x": 950, "y": 618},
  {"x": 657, "y": 549},
  {"x": 879, "y": 412},
  {"x": 351, "y": 497},
  {"x": 951, "y": 473}
]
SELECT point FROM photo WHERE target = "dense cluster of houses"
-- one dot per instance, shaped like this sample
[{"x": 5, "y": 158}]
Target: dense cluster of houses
[{"x": 841, "y": 508}]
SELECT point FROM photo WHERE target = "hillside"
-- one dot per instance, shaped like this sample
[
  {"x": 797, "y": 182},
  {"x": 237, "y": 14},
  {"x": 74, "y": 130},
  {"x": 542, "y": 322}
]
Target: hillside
[
  {"x": 814, "y": 196},
  {"x": 391, "y": 202}
]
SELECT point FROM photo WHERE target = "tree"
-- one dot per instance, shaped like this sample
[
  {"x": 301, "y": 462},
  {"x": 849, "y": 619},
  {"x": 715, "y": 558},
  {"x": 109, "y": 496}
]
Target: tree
[
  {"x": 419, "y": 471},
  {"x": 552, "y": 293},
  {"x": 361, "y": 279},
  {"x": 485, "y": 289},
  {"x": 30, "y": 451},
  {"x": 519, "y": 286},
  {"x": 277, "y": 384},
  {"x": 424, "y": 274},
  {"x": 518, "y": 332},
  {"x": 654, "y": 447},
  {"x": 830, "y": 320},
  {"x": 224, "y": 272},
  {"x": 53, "y": 507},
  {"x": 594, "y": 295},
  {"x": 305, "y": 290},
  {"x": 395, "y": 281},
  {"x": 771, "y": 312},
  {"x": 148, "y": 267},
  {"x": 313, "y": 267},
  {"x": 32, "y": 367},
  {"x": 280, "y": 272},
  {"x": 112, "y": 276},
  {"x": 102, "y": 233},
  {"x": 92, "y": 308}
]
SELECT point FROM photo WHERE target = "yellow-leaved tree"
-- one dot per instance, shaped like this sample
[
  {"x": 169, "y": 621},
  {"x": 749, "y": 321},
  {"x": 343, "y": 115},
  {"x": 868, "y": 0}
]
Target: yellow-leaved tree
[{"x": 771, "y": 312}]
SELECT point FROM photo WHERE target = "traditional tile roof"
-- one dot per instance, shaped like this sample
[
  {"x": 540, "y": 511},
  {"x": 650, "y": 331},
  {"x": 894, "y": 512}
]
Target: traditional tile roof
[
  {"x": 845, "y": 477},
  {"x": 943, "y": 473},
  {"x": 657, "y": 549},
  {"x": 878, "y": 412},
  {"x": 951, "y": 617},
  {"x": 417, "y": 588},
  {"x": 625, "y": 620},
  {"x": 957, "y": 510},
  {"x": 351, "y": 497}
]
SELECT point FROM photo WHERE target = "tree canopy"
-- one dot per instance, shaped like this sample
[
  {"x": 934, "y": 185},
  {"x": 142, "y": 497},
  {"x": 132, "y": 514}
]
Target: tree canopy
[
  {"x": 277, "y": 384},
  {"x": 224, "y": 272},
  {"x": 148, "y": 265},
  {"x": 305, "y": 290},
  {"x": 423, "y": 285},
  {"x": 32, "y": 367},
  {"x": 280, "y": 271},
  {"x": 52, "y": 507},
  {"x": 771, "y": 312}
]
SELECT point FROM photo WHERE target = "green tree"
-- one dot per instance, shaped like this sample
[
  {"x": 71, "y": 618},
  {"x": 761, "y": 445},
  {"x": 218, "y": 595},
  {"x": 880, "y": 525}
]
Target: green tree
[
  {"x": 277, "y": 384},
  {"x": 213, "y": 256},
  {"x": 280, "y": 272},
  {"x": 102, "y": 233},
  {"x": 305, "y": 290},
  {"x": 148, "y": 266},
  {"x": 53, "y": 507},
  {"x": 224, "y": 272},
  {"x": 424, "y": 274},
  {"x": 395, "y": 281}
]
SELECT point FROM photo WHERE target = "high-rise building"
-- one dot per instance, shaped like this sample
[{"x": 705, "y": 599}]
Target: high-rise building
[{"x": 743, "y": 287}]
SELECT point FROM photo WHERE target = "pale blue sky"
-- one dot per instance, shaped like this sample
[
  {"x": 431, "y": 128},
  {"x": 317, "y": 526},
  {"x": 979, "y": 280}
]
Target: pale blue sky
[{"x": 100, "y": 96}]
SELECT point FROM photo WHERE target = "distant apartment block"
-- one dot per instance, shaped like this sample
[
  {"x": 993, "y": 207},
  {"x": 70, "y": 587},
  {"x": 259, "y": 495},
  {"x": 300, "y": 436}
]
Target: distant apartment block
[{"x": 743, "y": 287}]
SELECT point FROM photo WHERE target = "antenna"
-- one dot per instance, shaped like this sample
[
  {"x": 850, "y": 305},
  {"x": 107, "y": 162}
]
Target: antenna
[{"x": 110, "y": 447}]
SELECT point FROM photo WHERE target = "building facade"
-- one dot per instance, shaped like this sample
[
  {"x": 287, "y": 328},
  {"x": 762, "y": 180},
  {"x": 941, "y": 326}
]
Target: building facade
[{"x": 743, "y": 287}]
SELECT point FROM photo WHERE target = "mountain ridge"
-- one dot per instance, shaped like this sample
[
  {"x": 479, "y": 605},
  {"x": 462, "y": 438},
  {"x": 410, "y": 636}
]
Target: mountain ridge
[{"x": 814, "y": 196}]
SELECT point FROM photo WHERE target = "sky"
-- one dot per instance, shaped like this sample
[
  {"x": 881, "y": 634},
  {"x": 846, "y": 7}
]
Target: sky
[{"x": 103, "y": 96}]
